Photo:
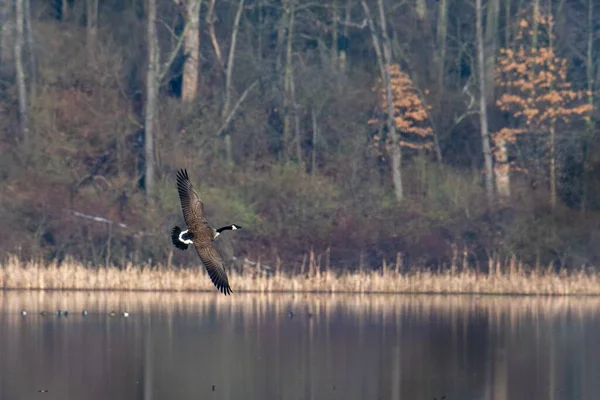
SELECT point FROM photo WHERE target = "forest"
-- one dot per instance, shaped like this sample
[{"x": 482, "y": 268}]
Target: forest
[{"x": 420, "y": 132}]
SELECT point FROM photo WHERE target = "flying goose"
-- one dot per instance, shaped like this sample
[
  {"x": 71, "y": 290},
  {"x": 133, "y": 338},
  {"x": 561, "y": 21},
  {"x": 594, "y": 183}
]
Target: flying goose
[{"x": 200, "y": 233}]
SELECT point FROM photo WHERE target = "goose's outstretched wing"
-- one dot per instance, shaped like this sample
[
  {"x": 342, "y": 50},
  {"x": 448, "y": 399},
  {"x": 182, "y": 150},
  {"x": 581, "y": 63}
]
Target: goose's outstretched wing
[
  {"x": 191, "y": 205},
  {"x": 213, "y": 262}
]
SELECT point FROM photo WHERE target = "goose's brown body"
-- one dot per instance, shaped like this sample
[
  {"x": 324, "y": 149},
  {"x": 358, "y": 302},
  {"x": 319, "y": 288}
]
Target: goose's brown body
[{"x": 200, "y": 233}]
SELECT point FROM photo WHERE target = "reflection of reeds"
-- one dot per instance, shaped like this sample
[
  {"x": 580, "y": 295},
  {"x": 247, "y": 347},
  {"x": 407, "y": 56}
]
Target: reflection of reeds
[
  {"x": 385, "y": 307},
  {"x": 15, "y": 274}
]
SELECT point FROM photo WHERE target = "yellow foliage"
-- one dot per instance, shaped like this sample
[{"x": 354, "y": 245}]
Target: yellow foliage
[
  {"x": 410, "y": 114},
  {"x": 536, "y": 90}
]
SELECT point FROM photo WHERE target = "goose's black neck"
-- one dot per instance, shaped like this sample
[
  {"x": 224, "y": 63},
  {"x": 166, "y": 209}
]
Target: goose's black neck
[{"x": 231, "y": 227}]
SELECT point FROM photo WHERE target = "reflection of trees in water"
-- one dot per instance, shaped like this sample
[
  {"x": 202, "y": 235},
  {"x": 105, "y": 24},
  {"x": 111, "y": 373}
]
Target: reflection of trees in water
[{"x": 177, "y": 345}]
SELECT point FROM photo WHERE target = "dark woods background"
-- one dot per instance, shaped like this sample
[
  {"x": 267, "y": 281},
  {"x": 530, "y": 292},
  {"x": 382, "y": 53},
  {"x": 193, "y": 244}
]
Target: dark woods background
[{"x": 282, "y": 133}]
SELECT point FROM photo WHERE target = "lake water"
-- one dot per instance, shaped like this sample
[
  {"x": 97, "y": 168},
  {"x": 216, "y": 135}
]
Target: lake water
[{"x": 247, "y": 346}]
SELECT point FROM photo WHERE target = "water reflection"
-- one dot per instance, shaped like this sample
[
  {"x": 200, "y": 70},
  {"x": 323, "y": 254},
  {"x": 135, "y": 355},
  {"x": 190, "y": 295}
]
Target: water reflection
[{"x": 247, "y": 346}]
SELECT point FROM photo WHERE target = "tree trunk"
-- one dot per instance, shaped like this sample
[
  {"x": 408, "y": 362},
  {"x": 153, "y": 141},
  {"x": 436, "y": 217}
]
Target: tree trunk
[
  {"x": 7, "y": 51},
  {"x": 281, "y": 34},
  {"x": 334, "y": 33},
  {"x": 343, "y": 48},
  {"x": 485, "y": 137},
  {"x": 421, "y": 9},
  {"x": 297, "y": 130},
  {"x": 552, "y": 129},
  {"x": 64, "y": 10},
  {"x": 228, "y": 78},
  {"x": 442, "y": 32},
  {"x": 260, "y": 16},
  {"x": 491, "y": 30},
  {"x": 151, "y": 99},
  {"x": 395, "y": 145},
  {"x": 383, "y": 53},
  {"x": 191, "y": 50},
  {"x": 553, "y": 164},
  {"x": 507, "y": 24},
  {"x": 536, "y": 18},
  {"x": 591, "y": 86},
  {"x": 91, "y": 29},
  {"x": 501, "y": 169},
  {"x": 30, "y": 52},
  {"x": 287, "y": 84},
  {"x": 210, "y": 21},
  {"x": 315, "y": 134},
  {"x": 21, "y": 87}
]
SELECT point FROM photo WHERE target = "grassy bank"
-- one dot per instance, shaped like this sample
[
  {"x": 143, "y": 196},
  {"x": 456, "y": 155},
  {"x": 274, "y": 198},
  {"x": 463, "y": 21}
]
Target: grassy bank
[{"x": 15, "y": 274}]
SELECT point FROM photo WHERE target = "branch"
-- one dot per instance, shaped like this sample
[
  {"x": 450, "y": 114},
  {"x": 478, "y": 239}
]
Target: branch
[
  {"x": 167, "y": 27},
  {"x": 235, "y": 107},
  {"x": 211, "y": 33},
  {"x": 174, "y": 52},
  {"x": 398, "y": 5},
  {"x": 471, "y": 110},
  {"x": 361, "y": 25},
  {"x": 230, "y": 59},
  {"x": 95, "y": 218},
  {"x": 376, "y": 44}
]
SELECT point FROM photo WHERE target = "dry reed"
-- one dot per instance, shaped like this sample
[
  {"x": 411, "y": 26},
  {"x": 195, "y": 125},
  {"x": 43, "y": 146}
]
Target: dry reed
[{"x": 69, "y": 275}]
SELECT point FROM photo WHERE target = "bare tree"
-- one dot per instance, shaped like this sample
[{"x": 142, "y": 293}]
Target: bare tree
[
  {"x": 289, "y": 100},
  {"x": 7, "y": 50},
  {"x": 536, "y": 21},
  {"x": 593, "y": 78},
  {"x": 383, "y": 52},
  {"x": 91, "y": 28},
  {"x": 421, "y": 9},
  {"x": 442, "y": 31},
  {"x": 156, "y": 71},
  {"x": 152, "y": 83},
  {"x": 228, "y": 78},
  {"x": 507, "y": 23},
  {"x": 281, "y": 34},
  {"x": 30, "y": 51},
  {"x": 343, "y": 51},
  {"x": 21, "y": 87},
  {"x": 191, "y": 50},
  {"x": 490, "y": 44},
  {"x": 289, "y": 11},
  {"x": 334, "y": 33},
  {"x": 64, "y": 10},
  {"x": 210, "y": 21},
  {"x": 485, "y": 137},
  {"x": 552, "y": 129},
  {"x": 315, "y": 135}
]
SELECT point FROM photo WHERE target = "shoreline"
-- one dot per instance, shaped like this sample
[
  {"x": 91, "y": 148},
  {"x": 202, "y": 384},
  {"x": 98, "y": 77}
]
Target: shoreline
[{"x": 72, "y": 276}]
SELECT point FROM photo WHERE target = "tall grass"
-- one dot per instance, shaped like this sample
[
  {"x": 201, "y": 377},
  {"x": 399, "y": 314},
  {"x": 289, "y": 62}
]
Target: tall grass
[{"x": 515, "y": 279}]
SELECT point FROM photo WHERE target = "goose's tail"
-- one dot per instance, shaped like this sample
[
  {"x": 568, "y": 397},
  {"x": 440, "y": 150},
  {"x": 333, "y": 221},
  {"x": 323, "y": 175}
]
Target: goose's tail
[{"x": 181, "y": 239}]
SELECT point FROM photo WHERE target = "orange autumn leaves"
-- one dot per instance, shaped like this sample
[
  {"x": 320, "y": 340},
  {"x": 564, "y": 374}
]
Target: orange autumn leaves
[
  {"x": 536, "y": 91},
  {"x": 410, "y": 114}
]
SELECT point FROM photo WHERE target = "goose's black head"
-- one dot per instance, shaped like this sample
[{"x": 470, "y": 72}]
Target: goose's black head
[{"x": 232, "y": 227}]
